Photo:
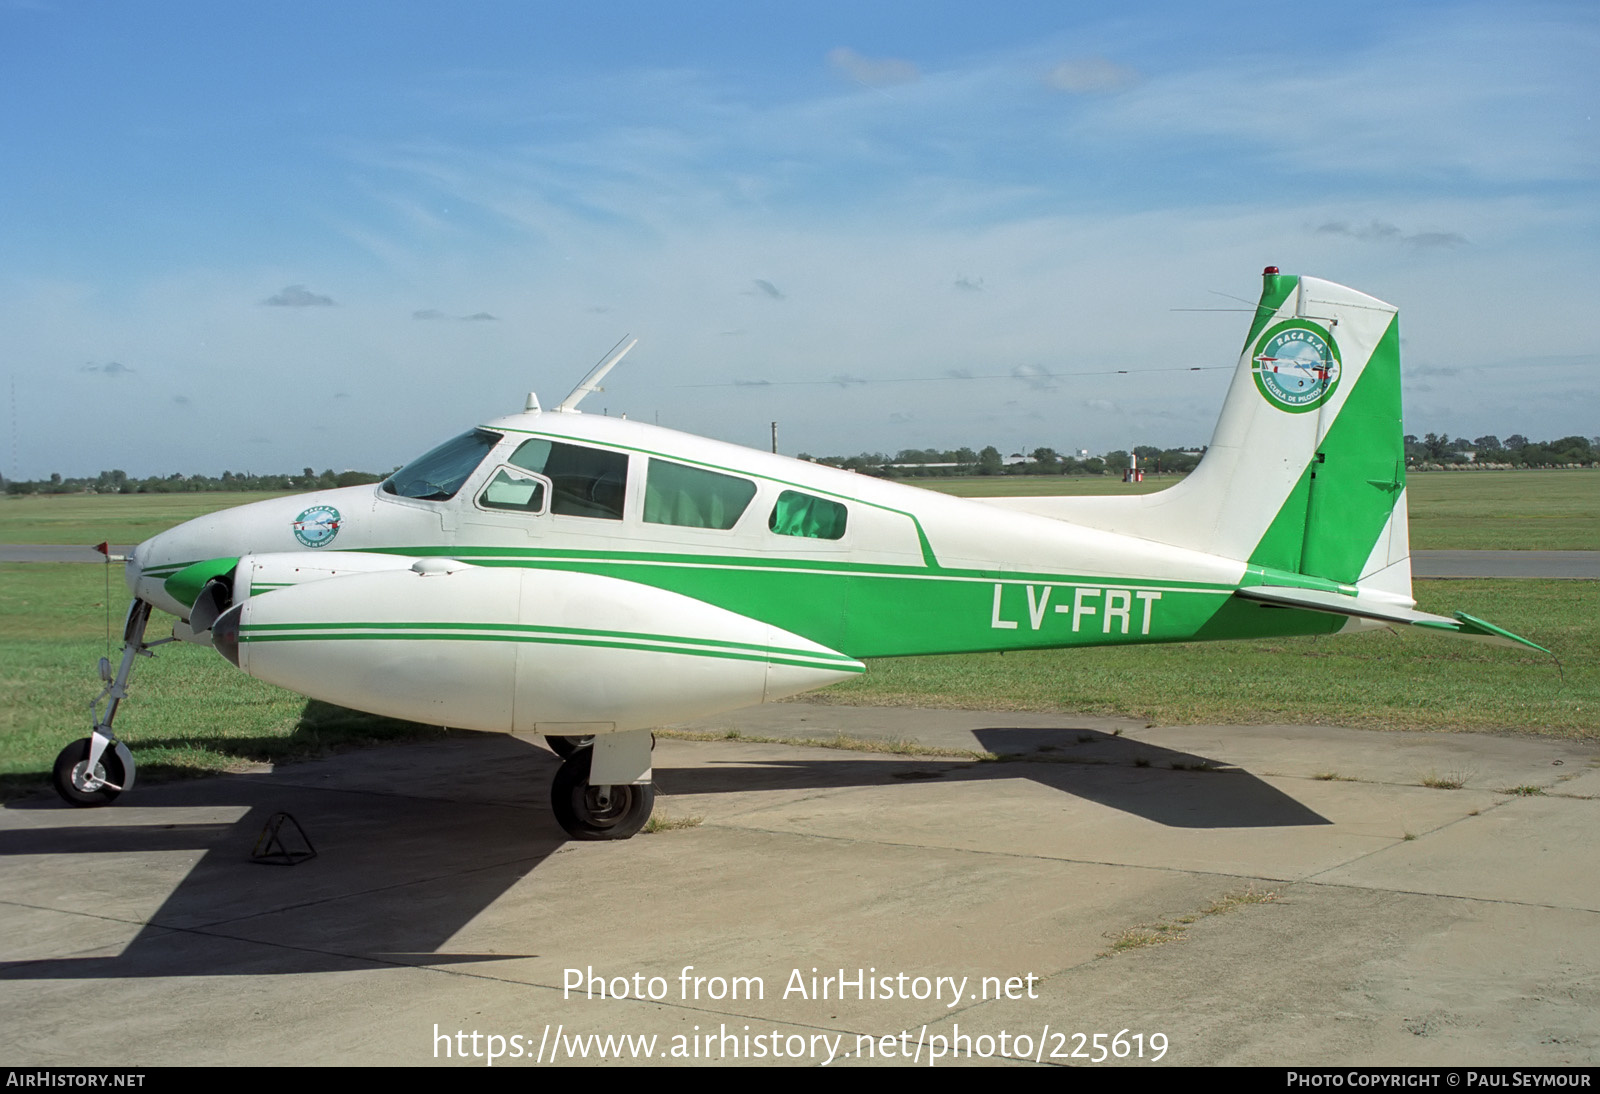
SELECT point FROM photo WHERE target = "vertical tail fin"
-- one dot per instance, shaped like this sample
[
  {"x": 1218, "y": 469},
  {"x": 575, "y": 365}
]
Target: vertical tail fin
[
  {"x": 1306, "y": 470},
  {"x": 1313, "y": 425}
]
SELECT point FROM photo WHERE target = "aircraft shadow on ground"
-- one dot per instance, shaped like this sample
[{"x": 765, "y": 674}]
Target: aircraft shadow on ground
[
  {"x": 401, "y": 871},
  {"x": 1176, "y": 789}
]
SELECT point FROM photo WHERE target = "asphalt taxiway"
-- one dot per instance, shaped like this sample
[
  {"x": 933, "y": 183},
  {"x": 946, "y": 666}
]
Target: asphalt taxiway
[{"x": 1265, "y": 894}]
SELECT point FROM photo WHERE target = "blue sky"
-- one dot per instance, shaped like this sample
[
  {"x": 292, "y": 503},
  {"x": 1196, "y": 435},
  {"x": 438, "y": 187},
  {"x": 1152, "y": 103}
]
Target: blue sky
[{"x": 257, "y": 238}]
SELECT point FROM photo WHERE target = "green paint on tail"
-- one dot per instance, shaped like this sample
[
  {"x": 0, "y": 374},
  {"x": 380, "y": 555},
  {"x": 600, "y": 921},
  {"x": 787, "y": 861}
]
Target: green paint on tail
[
  {"x": 1275, "y": 289},
  {"x": 1332, "y": 518}
]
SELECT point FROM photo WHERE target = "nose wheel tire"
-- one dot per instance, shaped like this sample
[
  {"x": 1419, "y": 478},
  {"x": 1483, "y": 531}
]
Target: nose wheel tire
[
  {"x": 78, "y": 785},
  {"x": 597, "y": 812}
]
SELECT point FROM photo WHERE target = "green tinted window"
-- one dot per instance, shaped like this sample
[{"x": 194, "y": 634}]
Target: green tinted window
[
  {"x": 589, "y": 482},
  {"x": 692, "y": 497},
  {"x": 798, "y": 514}
]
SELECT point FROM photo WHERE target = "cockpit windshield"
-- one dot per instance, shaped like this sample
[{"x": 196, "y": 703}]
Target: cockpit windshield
[{"x": 437, "y": 475}]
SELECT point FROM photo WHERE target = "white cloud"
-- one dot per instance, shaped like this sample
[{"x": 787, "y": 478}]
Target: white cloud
[
  {"x": 873, "y": 71},
  {"x": 1091, "y": 76},
  {"x": 435, "y": 313},
  {"x": 298, "y": 296},
  {"x": 1384, "y": 231},
  {"x": 1487, "y": 94}
]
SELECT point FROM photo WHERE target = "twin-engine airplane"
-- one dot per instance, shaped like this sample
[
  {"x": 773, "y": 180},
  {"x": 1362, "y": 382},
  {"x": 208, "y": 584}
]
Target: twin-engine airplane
[{"x": 587, "y": 578}]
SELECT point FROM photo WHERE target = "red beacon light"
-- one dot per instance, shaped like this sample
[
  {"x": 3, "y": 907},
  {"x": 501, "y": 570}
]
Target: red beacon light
[{"x": 1269, "y": 271}]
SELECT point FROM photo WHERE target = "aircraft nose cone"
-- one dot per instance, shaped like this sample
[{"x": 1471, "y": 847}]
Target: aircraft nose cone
[
  {"x": 135, "y": 568},
  {"x": 148, "y": 567}
]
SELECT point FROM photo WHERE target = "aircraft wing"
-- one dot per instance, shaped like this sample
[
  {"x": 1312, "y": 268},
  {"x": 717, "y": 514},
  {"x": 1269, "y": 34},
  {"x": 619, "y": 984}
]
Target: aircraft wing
[{"x": 1368, "y": 607}]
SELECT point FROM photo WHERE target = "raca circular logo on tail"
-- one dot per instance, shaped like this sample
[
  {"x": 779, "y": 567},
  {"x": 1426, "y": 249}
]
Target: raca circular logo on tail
[
  {"x": 1296, "y": 365},
  {"x": 317, "y": 526}
]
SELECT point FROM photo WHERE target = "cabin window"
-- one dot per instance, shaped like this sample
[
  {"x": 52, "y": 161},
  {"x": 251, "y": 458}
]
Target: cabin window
[
  {"x": 798, "y": 514},
  {"x": 437, "y": 475},
  {"x": 589, "y": 482},
  {"x": 514, "y": 489},
  {"x": 692, "y": 497}
]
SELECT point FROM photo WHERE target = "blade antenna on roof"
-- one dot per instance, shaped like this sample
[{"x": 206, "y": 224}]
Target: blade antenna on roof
[{"x": 591, "y": 382}]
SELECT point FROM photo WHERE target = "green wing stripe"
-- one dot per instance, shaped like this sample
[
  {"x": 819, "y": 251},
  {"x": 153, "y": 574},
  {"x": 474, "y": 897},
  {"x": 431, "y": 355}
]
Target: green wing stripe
[
  {"x": 1472, "y": 625},
  {"x": 535, "y": 628},
  {"x": 469, "y": 632}
]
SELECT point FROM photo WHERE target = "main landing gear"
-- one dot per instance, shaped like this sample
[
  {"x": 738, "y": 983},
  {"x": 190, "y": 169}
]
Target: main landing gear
[
  {"x": 603, "y": 789},
  {"x": 93, "y": 770}
]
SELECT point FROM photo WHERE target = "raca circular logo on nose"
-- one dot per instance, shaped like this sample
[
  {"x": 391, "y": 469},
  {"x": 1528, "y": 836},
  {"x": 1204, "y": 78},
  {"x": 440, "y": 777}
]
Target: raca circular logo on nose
[
  {"x": 317, "y": 526},
  {"x": 1296, "y": 365}
]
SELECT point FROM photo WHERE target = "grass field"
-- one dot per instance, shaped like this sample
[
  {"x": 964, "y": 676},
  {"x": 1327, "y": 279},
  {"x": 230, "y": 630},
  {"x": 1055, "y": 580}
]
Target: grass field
[
  {"x": 1449, "y": 510},
  {"x": 111, "y": 518},
  {"x": 191, "y": 713},
  {"x": 188, "y": 712},
  {"x": 1505, "y": 510},
  {"x": 1487, "y": 510}
]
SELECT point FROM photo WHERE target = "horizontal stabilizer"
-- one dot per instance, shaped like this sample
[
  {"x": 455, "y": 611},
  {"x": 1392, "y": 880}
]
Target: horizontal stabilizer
[{"x": 1383, "y": 611}]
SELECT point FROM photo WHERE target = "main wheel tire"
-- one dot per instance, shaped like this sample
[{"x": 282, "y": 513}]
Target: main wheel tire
[
  {"x": 566, "y": 746},
  {"x": 77, "y": 785},
  {"x": 578, "y": 808}
]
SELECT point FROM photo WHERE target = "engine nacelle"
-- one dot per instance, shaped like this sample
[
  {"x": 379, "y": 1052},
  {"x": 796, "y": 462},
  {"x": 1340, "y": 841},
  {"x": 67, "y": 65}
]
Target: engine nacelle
[
  {"x": 264, "y": 573},
  {"x": 211, "y": 587},
  {"x": 517, "y": 649}
]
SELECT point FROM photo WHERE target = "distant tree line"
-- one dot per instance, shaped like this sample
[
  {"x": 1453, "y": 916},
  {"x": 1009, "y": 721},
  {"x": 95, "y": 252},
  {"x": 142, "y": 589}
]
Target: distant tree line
[
  {"x": 119, "y": 482},
  {"x": 934, "y": 463},
  {"x": 1431, "y": 450},
  {"x": 1515, "y": 451}
]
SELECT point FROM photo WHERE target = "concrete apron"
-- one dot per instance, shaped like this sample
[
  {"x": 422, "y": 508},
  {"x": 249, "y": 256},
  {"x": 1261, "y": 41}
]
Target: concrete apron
[{"x": 1264, "y": 894}]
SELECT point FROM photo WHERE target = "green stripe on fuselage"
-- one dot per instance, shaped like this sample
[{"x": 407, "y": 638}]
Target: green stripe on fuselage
[{"x": 895, "y": 611}]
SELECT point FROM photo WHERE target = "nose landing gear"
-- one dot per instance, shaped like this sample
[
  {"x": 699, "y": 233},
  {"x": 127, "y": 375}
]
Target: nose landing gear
[{"x": 93, "y": 770}]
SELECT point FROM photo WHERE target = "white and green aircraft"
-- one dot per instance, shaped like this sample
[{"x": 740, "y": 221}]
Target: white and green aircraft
[{"x": 586, "y": 578}]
